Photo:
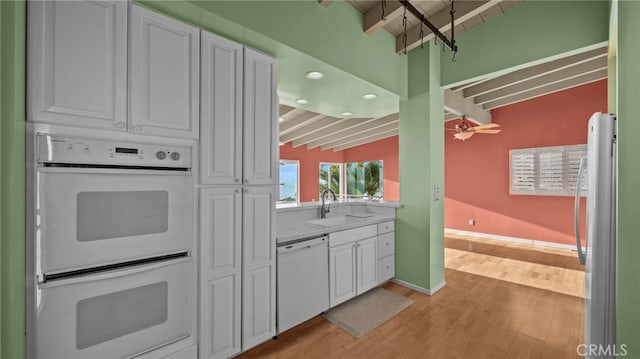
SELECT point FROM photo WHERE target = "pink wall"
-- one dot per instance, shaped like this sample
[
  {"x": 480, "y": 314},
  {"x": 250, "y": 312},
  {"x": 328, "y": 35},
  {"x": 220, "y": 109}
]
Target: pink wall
[
  {"x": 477, "y": 170},
  {"x": 385, "y": 150}
]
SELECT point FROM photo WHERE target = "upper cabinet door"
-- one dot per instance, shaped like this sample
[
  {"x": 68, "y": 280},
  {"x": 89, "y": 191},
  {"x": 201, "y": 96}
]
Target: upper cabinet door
[
  {"x": 260, "y": 119},
  {"x": 164, "y": 75},
  {"x": 78, "y": 63},
  {"x": 220, "y": 111}
]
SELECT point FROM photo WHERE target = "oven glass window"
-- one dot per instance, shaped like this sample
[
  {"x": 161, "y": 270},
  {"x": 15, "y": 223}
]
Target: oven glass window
[
  {"x": 104, "y": 215},
  {"x": 110, "y": 316}
]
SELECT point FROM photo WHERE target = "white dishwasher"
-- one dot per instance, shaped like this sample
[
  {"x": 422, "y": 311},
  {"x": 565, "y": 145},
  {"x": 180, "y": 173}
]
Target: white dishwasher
[{"x": 303, "y": 281}]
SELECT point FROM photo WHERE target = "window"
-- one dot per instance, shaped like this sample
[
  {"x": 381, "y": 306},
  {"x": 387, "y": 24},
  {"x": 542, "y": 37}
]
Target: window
[
  {"x": 547, "y": 171},
  {"x": 289, "y": 181},
  {"x": 364, "y": 179},
  {"x": 330, "y": 177}
]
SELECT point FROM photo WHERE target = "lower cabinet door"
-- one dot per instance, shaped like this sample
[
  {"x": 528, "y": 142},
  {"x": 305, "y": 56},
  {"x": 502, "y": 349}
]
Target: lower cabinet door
[
  {"x": 220, "y": 272},
  {"x": 367, "y": 268},
  {"x": 342, "y": 273},
  {"x": 258, "y": 265}
]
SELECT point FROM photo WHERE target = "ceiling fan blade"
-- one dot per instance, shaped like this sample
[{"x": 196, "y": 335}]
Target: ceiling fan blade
[
  {"x": 488, "y": 131},
  {"x": 487, "y": 126},
  {"x": 463, "y": 135}
]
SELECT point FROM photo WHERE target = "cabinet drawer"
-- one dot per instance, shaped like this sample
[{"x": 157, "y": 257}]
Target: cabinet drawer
[
  {"x": 386, "y": 244},
  {"x": 386, "y": 268},
  {"x": 352, "y": 235},
  {"x": 386, "y": 227}
]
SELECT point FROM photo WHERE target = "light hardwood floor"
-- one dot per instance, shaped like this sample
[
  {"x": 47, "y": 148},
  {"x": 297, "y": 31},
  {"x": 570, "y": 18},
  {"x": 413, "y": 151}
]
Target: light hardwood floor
[{"x": 502, "y": 300}]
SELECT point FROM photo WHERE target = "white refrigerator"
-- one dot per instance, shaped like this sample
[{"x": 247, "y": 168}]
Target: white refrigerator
[{"x": 599, "y": 254}]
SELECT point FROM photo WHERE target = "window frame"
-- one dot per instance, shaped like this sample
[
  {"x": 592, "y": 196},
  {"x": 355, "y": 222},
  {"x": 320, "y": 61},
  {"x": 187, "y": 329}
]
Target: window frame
[
  {"x": 297, "y": 163},
  {"x": 341, "y": 176},
  {"x": 380, "y": 183}
]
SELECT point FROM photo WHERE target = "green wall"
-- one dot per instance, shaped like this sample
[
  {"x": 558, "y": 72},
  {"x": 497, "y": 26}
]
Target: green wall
[
  {"x": 420, "y": 222},
  {"x": 529, "y": 33},
  {"x": 628, "y": 265},
  {"x": 12, "y": 178},
  {"x": 333, "y": 35}
]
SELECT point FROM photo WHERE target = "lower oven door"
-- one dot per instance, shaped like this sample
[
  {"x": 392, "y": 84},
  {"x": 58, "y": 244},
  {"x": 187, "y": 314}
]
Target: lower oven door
[
  {"x": 115, "y": 314},
  {"x": 92, "y": 217}
]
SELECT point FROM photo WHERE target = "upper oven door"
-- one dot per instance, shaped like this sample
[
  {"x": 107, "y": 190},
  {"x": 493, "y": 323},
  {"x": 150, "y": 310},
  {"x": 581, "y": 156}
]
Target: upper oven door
[{"x": 92, "y": 217}]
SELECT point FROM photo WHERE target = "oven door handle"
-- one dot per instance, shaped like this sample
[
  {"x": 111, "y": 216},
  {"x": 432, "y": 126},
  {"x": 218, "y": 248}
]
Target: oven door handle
[{"x": 116, "y": 273}]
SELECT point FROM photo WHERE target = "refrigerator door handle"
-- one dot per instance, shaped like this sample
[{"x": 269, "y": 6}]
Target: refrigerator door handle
[{"x": 582, "y": 257}]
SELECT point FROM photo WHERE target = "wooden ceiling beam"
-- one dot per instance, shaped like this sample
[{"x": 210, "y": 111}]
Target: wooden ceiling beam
[
  {"x": 458, "y": 105},
  {"x": 284, "y": 109},
  {"x": 548, "y": 79},
  {"x": 532, "y": 72},
  {"x": 333, "y": 136},
  {"x": 465, "y": 10},
  {"x": 366, "y": 139},
  {"x": 338, "y": 127},
  {"x": 373, "y": 18},
  {"x": 545, "y": 90},
  {"x": 312, "y": 127},
  {"x": 299, "y": 121}
]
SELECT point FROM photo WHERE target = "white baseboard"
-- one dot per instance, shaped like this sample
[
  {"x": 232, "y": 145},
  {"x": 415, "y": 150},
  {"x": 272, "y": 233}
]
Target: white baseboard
[
  {"x": 510, "y": 239},
  {"x": 431, "y": 291}
]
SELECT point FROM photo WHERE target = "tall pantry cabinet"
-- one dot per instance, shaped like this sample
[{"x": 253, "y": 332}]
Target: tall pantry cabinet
[{"x": 238, "y": 176}]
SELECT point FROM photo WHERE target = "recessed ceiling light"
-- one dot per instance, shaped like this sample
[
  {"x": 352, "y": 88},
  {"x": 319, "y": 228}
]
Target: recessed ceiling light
[
  {"x": 347, "y": 113},
  {"x": 314, "y": 75},
  {"x": 369, "y": 96},
  {"x": 302, "y": 101}
]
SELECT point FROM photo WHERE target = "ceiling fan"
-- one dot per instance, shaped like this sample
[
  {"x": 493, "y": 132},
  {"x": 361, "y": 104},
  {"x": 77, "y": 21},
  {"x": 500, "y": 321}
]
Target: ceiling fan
[{"x": 465, "y": 129}]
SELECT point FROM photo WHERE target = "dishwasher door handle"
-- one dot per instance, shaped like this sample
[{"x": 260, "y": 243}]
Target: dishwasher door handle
[{"x": 303, "y": 245}]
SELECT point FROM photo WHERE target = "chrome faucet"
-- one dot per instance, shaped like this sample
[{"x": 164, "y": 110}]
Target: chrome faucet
[{"x": 324, "y": 210}]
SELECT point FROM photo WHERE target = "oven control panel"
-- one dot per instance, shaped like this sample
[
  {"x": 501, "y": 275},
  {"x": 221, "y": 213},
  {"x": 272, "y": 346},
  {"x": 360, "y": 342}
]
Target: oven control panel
[{"x": 59, "y": 149}]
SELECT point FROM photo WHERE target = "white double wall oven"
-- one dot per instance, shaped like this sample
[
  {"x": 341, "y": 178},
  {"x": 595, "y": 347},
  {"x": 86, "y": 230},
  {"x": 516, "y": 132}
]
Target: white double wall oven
[{"x": 112, "y": 247}]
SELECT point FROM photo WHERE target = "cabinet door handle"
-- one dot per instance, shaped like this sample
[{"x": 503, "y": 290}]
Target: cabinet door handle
[
  {"x": 120, "y": 125},
  {"x": 246, "y": 181},
  {"x": 137, "y": 128},
  {"x": 236, "y": 180},
  {"x": 237, "y": 191},
  {"x": 246, "y": 191}
]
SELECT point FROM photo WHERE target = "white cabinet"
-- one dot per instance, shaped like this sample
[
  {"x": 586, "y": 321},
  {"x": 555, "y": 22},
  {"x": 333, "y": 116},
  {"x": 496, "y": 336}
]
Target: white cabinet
[
  {"x": 220, "y": 271},
  {"x": 239, "y": 104},
  {"x": 260, "y": 154},
  {"x": 220, "y": 110},
  {"x": 259, "y": 266},
  {"x": 386, "y": 251},
  {"x": 237, "y": 269},
  {"x": 78, "y": 63},
  {"x": 367, "y": 264},
  {"x": 84, "y": 70},
  {"x": 353, "y": 266},
  {"x": 342, "y": 273},
  {"x": 164, "y": 57}
]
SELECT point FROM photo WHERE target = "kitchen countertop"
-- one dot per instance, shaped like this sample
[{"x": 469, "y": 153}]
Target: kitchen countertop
[
  {"x": 296, "y": 220},
  {"x": 281, "y": 207},
  {"x": 305, "y": 229}
]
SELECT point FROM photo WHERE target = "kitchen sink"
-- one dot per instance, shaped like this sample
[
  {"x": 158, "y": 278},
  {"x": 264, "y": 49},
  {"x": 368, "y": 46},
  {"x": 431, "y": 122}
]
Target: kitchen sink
[{"x": 335, "y": 221}]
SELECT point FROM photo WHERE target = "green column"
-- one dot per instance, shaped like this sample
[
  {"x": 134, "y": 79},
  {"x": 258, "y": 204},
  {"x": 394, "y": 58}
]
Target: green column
[
  {"x": 628, "y": 265},
  {"x": 420, "y": 223},
  {"x": 12, "y": 178}
]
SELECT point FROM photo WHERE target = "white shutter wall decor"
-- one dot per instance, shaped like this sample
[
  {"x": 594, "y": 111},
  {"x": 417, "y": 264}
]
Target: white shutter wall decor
[
  {"x": 546, "y": 171},
  {"x": 523, "y": 172}
]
